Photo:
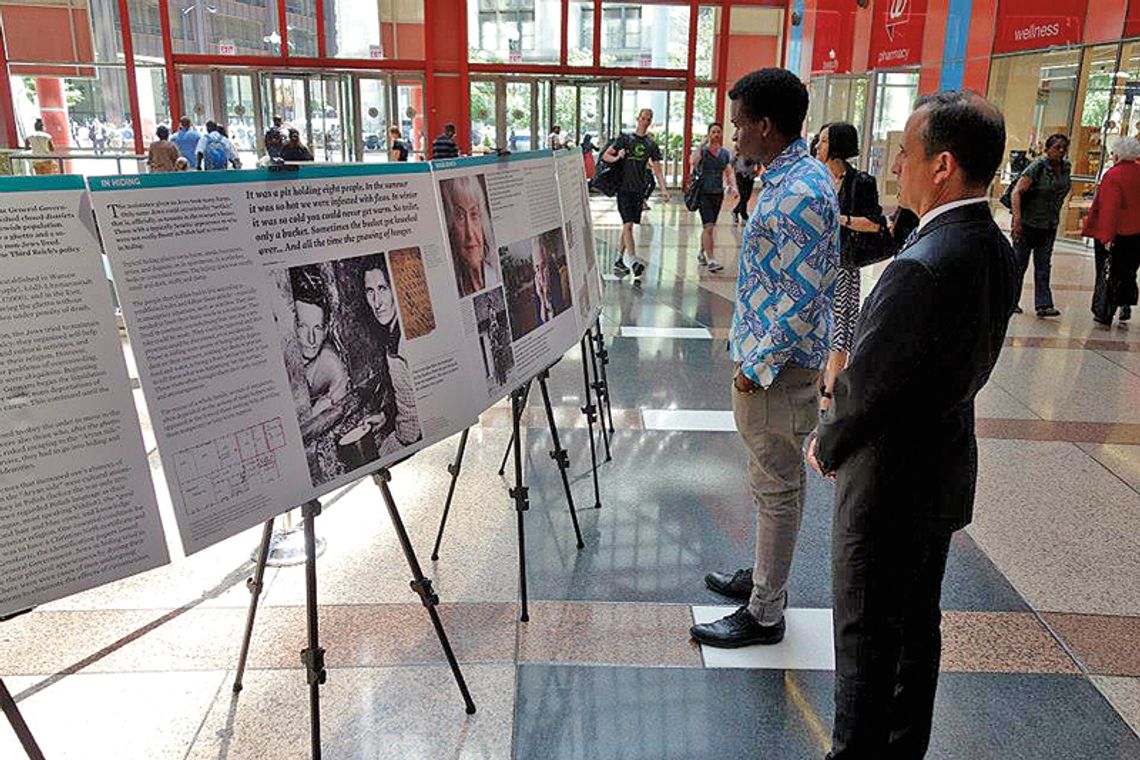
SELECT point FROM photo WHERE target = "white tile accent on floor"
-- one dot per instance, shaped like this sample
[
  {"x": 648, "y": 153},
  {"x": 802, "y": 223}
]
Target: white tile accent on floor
[
  {"x": 637, "y": 331},
  {"x": 807, "y": 645},
  {"x": 694, "y": 420}
]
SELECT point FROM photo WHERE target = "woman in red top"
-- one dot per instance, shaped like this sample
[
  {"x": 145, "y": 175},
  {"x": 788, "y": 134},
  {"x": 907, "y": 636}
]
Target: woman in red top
[{"x": 1114, "y": 223}]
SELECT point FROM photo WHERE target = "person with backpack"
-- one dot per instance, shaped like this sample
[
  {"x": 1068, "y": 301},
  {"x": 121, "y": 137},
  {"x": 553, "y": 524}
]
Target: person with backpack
[
  {"x": 1036, "y": 202},
  {"x": 638, "y": 154},
  {"x": 711, "y": 167},
  {"x": 215, "y": 151}
]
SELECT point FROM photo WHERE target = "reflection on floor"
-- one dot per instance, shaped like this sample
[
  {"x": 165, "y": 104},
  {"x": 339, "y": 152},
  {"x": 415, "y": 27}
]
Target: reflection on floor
[{"x": 1042, "y": 629}]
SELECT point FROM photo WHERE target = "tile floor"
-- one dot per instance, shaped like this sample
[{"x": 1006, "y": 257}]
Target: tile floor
[{"x": 1042, "y": 593}]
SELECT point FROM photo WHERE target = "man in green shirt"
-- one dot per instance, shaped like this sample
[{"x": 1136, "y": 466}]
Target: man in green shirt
[{"x": 1037, "y": 200}]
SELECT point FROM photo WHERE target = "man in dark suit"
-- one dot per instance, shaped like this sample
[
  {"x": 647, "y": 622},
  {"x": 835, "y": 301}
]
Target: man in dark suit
[{"x": 899, "y": 437}]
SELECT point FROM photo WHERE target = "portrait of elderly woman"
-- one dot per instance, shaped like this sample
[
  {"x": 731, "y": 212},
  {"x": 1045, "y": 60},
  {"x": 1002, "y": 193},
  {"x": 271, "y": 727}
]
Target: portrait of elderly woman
[{"x": 467, "y": 213}]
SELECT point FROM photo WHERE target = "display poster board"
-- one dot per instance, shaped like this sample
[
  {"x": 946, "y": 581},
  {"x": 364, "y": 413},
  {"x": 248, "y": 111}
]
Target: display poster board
[
  {"x": 77, "y": 505},
  {"x": 294, "y": 330},
  {"x": 578, "y": 226},
  {"x": 504, "y": 231}
]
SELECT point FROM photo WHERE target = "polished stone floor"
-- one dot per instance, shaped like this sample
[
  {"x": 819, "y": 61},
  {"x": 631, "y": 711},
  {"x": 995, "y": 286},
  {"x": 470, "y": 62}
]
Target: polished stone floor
[{"x": 1042, "y": 593}]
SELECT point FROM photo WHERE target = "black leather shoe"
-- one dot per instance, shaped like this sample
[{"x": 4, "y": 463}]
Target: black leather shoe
[
  {"x": 735, "y": 586},
  {"x": 739, "y": 629},
  {"x": 1125, "y": 313}
]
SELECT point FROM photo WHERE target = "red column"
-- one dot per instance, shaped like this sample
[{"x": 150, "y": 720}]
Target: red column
[
  {"x": 446, "y": 81},
  {"x": 980, "y": 46},
  {"x": 53, "y": 110},
  {"x": 173, "y": 85},
  {"x": 721, "y": 72},
  {"x": 132, "y": 80},
  {"x": 933, "y": 45}
]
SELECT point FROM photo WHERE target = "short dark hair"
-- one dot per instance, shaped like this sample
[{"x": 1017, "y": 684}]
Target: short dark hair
[
  {"x": 162, "y": 132},
  {"x": 1056, "y": 138},
  {"x": 968, "y": 127},
  {"x": 842, "y": 140},
  {"x": 308, "y": 286},
  {"x": 449, "y": 128},
  {"x": 211, "y": 126},
  {"x": 185, "y": 121},
  {"x": 714, "y": 124},
  {"x": 777, "y": 94},
  {"x": 375, "y": 261}
]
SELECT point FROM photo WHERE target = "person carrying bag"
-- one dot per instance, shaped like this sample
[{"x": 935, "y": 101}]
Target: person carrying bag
[{"x": 711, "y": 177}]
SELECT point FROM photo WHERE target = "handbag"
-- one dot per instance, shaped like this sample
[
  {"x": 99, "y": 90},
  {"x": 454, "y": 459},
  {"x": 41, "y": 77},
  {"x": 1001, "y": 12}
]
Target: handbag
[
  {"x": 861, "y": 249},
  {"x": 1102, "y": 307},
  {"x": 693, "y": 194}
]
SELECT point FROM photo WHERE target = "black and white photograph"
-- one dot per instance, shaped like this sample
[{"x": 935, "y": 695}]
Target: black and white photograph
[
  {"x": 352, "y": 389},
  {"x": 467, "y": 214},
  {"x": 537, "y": 281},
  {"x": 494, "y": 338}
]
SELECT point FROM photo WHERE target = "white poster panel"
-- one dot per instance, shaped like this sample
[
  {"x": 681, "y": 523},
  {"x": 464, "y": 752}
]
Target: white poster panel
[
  {"x": 77, "y": 505},
  {"x": 295, "y": 330},
  {"x": 579, "y": 231},
  {"x": 504, "y": 229}
]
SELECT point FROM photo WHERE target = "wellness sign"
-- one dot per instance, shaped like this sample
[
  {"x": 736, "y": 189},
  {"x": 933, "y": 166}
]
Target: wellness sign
[{"x": 1036, "y": 24}]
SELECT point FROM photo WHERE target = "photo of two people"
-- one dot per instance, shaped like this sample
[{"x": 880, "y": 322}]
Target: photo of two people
[
  {"x": 537, "y": 281},
  {"x": 341, "y": 342}
]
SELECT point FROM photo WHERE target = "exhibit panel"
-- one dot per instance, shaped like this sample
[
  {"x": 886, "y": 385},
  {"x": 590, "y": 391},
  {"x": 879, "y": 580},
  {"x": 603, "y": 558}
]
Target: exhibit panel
[
  {"x": 77, "y": 506},
  {"x": 573, "y": 193},
  {"x": 294, "y": 330},
  {"x": 514, "y": 278}
]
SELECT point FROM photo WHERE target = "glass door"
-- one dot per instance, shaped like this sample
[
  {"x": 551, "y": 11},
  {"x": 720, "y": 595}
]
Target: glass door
[
  {"x": 288, "y": 97},
  {"x": 241, "y": 109},
  {"x": 373, "y": 118},
  {"x": 328, "y": 128}
]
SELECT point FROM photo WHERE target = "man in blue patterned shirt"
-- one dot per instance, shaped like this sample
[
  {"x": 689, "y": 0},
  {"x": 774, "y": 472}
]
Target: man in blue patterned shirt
[{"x": 780, "y": 340}]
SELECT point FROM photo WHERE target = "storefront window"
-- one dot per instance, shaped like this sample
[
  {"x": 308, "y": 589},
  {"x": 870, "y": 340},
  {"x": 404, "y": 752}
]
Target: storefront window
[
  {"x": 238, "y": 27},
  {"x": 352, "y": 29},
  {"x": 580, "y": 33},
  {"x": 708, "y": 33},
  {"x": 514, "y": 31},
  {"x": 645, "y": 36}
]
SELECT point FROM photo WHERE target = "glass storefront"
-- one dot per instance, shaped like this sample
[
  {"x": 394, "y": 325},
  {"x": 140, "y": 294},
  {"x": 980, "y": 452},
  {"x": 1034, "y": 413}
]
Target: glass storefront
[{"x": 1086, "y": 93}]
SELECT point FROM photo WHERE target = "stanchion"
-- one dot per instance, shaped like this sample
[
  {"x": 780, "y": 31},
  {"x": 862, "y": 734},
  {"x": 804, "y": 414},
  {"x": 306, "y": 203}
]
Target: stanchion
[
  {"x": 313, "y": 656},
  {"x": 453, "y": 470},
  {"x": 422, "y": 585},
  {"x": 591, "y": 413}
]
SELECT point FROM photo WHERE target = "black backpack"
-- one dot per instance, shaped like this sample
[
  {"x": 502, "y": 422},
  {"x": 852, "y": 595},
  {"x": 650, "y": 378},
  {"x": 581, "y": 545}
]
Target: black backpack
[{"x": 607, "y": 176}]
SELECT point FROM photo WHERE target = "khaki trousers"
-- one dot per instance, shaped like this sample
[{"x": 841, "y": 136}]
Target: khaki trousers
[{"x": 773, "y": 423}]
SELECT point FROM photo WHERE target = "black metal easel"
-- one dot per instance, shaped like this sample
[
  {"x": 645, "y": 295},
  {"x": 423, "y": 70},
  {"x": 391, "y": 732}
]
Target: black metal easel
[
  {"x": 12, "y": 711},
  {"x": 520, "y": 492},
  {"x": 313, "y": 656},
  {"x": 599, "y": 358}
]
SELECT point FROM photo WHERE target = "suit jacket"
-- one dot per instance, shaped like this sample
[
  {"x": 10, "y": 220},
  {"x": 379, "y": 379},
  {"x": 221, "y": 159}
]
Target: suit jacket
[{"x": 900, "y": 433}]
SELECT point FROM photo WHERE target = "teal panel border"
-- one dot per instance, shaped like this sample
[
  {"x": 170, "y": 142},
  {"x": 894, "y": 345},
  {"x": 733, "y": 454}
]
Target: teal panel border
[
  {"x": 45, "y": 182},
  {"x": 188, "y": 179},
  {"x": 460, "y": 163}
]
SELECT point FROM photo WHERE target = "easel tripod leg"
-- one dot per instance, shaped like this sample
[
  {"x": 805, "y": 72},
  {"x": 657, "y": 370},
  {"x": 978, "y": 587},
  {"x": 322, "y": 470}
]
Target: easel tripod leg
[
  {"x": 600, "y": 392},
  {"x": 519, "y": 494},
  {"x": 23, "y": 733},
  {"x": 558, "y": 454},
  {"x": 422, "y": 585},
  {"x": 604, "y": 360},
  {"x": 453, "y": 469},
  {"x": 255, "y": 585},
  {"x": 591, "y": 413},
  {"x": 514, "y": 428},
  {"x": 313, "y": 657}
]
